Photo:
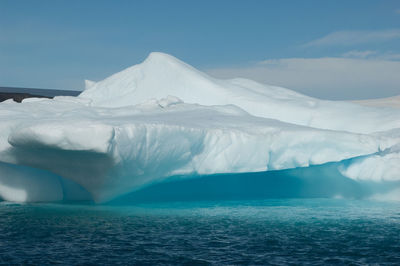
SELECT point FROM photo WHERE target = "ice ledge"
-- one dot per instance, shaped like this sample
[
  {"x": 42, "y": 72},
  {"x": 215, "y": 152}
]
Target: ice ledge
[{"x": 72, "y": 136}]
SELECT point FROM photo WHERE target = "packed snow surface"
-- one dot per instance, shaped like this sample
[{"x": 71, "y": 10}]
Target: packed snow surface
[{"x": 163, "y": 118}]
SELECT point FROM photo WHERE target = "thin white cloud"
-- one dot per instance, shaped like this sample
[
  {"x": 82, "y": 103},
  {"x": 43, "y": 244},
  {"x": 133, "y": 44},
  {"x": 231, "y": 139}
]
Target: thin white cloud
[
  {"x": 368, "y": 54},
  {"x": 359, "y": 54},
  {"x": 327, "y": 78},
  {"x": 390, "y": 56},
  {"x": 355, "y": 37},
  {"x": 397, "y": 11}
]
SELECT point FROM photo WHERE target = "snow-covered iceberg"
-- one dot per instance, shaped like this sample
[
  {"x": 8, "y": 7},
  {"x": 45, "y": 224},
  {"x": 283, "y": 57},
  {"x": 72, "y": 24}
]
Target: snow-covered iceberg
[{"x": 163, "y": 118}]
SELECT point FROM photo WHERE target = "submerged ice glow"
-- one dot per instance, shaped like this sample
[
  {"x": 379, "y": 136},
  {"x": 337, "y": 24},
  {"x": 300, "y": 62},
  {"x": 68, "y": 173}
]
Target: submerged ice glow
[{"x": 163, "y": 118}]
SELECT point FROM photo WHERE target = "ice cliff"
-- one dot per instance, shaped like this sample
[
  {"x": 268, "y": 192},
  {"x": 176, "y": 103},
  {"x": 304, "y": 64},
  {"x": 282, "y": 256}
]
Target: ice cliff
[{"x": 163, "y": 118}]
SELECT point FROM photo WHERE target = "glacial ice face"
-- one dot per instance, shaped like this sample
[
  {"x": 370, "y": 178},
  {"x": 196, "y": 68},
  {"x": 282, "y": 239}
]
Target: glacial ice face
[{"x": 163, "y": 118}]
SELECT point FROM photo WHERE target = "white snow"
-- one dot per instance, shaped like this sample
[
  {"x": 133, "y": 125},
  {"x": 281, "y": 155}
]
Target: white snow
[
  {"x": 379, "y": 167},
  {"x": 161, "y": 75},
  {"x": 163, "y": 118}
]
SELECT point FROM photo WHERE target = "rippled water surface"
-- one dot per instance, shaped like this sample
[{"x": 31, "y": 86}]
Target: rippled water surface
[{"x": 306, "y": 231}]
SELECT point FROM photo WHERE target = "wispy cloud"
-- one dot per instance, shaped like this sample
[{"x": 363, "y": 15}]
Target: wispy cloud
[
  {"x": 326, "y": 77},
  {"x": 390, "y": 56},
  {"x": 397, "y": 11},
  {"x": 375, "y": 55},
  {"x": 355, "y": 37},
  {"x": 359, "y": 54}
]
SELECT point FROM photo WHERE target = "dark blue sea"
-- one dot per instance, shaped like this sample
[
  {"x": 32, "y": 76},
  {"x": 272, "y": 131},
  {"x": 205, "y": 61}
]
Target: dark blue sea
[{"x": 255, "y": 232}]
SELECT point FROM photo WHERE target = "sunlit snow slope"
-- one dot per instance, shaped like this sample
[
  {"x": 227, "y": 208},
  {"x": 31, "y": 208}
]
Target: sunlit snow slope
[{"x": 163, "y": 118}]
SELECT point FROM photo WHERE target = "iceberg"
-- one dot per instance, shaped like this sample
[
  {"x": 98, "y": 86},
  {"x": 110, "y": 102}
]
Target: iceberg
[{"x": 163, "y": 118}]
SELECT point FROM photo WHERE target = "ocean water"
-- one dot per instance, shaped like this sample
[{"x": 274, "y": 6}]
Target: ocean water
[{"x": 274, "y": 231}]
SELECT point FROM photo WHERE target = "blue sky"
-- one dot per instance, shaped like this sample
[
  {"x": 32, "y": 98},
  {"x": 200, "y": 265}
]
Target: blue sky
[{"x": 327, "y": 49}]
